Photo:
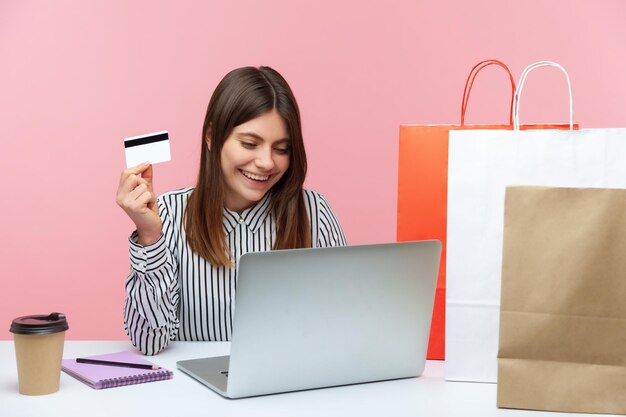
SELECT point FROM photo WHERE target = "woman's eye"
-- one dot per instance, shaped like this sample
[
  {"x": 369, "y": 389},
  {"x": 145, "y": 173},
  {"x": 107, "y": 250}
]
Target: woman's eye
[
  {"x": 248, "y": 145},
  {"x": 282, "y": 151}
]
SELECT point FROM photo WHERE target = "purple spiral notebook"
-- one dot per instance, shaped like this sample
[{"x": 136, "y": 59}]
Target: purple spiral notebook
[{"x": 104, "y": 376}]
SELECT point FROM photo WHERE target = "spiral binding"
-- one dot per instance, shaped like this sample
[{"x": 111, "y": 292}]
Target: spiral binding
[{"x": 136, "y": 379}]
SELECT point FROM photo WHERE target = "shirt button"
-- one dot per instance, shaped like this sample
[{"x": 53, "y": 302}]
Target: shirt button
[
  {"x": 138, "y": 253},
  {"x": 240, "y": 219},
  {"x": 141, "y": 267}
]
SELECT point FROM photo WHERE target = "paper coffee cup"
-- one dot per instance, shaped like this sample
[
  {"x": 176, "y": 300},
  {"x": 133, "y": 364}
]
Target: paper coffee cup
[{"x": 38, "y": 352}]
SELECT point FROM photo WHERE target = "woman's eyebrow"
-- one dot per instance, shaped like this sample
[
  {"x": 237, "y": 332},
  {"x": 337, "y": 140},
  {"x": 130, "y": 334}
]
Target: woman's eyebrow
[
  {"x": 258, "y": 137},
  {"x": 250, "y": 135}
]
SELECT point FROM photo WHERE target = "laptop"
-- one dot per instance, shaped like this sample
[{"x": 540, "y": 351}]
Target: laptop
[{"x": 324, "y": 317}]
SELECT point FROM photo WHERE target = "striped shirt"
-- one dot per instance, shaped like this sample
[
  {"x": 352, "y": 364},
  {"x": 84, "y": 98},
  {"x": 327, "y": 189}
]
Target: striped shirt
[{"x": 174, "y": 294}]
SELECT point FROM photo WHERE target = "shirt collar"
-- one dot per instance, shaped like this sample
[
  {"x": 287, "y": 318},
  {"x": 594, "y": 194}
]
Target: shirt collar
[{"x": 252, "y": 217}]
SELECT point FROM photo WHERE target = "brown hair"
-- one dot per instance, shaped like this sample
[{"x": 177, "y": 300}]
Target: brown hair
[{"x": 242, "y": 95}]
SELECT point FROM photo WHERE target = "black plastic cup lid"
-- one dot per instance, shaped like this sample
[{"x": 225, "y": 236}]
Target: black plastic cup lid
[{"x": 40, "y": 324}]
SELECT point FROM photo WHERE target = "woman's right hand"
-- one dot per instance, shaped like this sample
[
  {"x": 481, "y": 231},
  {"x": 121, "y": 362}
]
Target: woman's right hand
[{"x": 136, "y": 197}]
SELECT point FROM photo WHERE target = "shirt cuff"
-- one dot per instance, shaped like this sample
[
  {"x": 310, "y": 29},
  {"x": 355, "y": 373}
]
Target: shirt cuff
[{"x": 147, "y": 258}]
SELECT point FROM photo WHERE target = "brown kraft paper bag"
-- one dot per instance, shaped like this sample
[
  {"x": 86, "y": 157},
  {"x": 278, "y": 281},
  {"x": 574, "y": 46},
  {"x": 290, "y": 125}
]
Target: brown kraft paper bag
[{"x": 562, "y": 343}]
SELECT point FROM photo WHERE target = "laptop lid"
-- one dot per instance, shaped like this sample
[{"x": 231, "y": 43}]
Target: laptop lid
[{"x": 313, "y": 318}]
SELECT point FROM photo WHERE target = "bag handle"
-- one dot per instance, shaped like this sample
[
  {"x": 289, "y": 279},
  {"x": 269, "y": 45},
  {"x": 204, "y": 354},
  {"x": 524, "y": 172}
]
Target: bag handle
[
  {"x": 520, "y": 86},
  {"x": 470, "y": 82}
]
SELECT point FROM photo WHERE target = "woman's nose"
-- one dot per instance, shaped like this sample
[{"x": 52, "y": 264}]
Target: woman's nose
[{"x": 265, "y": 159}]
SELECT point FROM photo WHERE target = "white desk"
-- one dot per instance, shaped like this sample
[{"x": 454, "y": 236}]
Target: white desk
[{"x": 428, "y": 395}]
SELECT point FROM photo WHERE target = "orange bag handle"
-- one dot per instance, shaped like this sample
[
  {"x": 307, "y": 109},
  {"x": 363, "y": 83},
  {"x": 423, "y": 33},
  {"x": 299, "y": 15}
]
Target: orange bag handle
[{"x": 470, "y": 82}]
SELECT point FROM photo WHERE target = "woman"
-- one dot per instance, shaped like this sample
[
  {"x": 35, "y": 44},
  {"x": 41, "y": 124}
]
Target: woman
[{"x": 248, "y": 198}]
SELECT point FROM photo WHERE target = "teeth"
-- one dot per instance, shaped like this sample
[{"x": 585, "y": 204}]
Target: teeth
[{"x": 254, "y": 176}]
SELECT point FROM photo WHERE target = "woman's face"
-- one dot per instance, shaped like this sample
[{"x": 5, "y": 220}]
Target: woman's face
[{"x": 254, "y": 157}]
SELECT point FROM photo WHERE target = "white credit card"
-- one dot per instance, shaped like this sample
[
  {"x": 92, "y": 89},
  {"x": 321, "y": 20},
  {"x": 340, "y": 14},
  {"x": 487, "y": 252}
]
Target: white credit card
[{"x": 153, "y": 148}]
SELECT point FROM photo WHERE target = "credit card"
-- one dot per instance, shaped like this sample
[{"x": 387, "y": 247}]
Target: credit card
[{"x": 153, "y": 147}]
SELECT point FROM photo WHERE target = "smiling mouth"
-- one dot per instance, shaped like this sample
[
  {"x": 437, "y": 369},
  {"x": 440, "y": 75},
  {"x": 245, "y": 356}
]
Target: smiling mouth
[{"x": 254, "y": 176}]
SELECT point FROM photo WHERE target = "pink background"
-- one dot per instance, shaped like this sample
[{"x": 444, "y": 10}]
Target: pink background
[{"x": 76, "y": 77}]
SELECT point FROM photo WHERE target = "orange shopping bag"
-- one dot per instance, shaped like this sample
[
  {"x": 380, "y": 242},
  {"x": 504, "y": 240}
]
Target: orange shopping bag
[{"x": 423, "y": 189}]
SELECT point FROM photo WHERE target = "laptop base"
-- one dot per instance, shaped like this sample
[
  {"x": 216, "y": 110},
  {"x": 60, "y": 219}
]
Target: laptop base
[{"x": 212, "y": 372}]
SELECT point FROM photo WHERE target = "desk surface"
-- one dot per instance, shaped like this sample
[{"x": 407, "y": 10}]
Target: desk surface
[{"x": 428, "y": 395}]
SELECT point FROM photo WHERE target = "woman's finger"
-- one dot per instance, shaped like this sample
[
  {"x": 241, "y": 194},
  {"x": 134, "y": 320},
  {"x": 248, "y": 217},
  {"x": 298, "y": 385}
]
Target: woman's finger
[
  {"x": 137, "y": 191},
  {"x": 137, "y": 170},
  {"x": 143, "y": 202}
]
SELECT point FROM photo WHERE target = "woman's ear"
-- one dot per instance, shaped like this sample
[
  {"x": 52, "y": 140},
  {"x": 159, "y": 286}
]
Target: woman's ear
[{"x": 207, "y": 138}]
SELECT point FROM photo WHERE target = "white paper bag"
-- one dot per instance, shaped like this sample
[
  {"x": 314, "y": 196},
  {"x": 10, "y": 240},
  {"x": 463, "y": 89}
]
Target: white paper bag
[{"x": 481, "y": 164}]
